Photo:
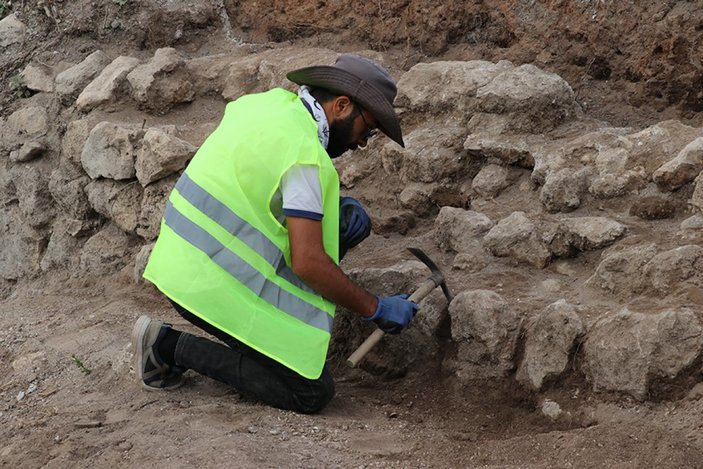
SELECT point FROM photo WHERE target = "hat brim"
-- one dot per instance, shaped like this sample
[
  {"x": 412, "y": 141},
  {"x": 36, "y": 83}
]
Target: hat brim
[{"x": 344, "y": 83}]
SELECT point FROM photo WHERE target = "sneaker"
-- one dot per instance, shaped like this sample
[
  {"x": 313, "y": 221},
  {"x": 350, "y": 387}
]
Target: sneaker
[{"x": 154, "y": 374}]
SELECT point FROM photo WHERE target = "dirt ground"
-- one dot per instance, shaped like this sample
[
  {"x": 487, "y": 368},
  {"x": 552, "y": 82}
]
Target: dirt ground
[{"x": 69, "y": 398}]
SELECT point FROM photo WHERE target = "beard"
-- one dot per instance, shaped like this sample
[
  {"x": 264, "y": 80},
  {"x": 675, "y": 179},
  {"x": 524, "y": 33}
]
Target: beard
[{"x": 341, "y": 138}]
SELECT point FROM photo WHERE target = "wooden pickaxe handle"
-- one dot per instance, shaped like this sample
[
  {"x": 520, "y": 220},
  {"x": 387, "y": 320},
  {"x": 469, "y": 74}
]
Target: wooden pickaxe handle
[{"x": 378, "y": 334}]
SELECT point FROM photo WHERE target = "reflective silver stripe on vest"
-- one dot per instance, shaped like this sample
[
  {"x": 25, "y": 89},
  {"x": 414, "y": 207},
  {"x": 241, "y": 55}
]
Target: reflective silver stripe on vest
[
  {"x": 236, "y": 226},
  {"x": 246, "y": 274}
]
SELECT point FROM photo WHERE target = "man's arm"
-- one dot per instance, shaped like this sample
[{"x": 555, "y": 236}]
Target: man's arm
[{"x": 312, "y": 264}]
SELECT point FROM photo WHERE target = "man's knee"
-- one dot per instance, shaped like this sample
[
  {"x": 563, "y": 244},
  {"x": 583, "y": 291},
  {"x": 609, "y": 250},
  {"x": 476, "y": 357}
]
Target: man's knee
[{"x": 319, "y": 395}]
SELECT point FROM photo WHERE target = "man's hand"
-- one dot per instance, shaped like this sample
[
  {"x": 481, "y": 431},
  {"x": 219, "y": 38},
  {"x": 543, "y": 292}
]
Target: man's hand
[{"x": 393, "y": 313}]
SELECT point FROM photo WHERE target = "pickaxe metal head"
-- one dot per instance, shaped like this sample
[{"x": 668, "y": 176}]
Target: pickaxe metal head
[{"x": 437, "y": 276}]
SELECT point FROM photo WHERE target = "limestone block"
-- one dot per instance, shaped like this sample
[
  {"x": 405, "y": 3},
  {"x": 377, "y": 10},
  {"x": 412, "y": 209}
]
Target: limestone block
[
  {"x": 74, "y": 79},
  {"x": 620, "y": 269},
  {"x": 628, "y": 351},
  {"x": 33, "y": 194},
  {"x": 118, "y": 201},
  {"x": 159, "y": 83},
  {"x": 516, "y": 236},
  {"x": 455, "y": 228},
  {"x": 153, "y": 206},
  {"x": 161, "y": 155},
  {"x": 564, "y": 189},
  {"x": 485, "y": 330},
  {"x": 669, "y": 269},
  {"x": 110, "y": 150},
  {"x": 22, "y": 245},
  {"x": 683, "y": 169},
  {"x": 106, "y": 252},
  {"x": 550, "y": 339},
  {"x": 12, "y": 31},
  {"x": 491, "y": 180},
  {"x": 446, "y": 85},
  {"x": 38, "y": 77},
  {"x": 105, "y": 86}
]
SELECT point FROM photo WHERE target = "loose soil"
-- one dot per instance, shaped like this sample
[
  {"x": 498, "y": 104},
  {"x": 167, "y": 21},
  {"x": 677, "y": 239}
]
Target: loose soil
[{"x": 69, "y": 398}]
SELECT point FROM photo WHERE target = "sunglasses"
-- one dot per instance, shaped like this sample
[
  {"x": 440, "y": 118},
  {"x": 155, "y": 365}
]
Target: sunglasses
[{"x": 370, "y": 132}]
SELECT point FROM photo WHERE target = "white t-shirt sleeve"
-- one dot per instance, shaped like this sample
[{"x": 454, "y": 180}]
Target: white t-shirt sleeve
[{"x": 301, "y": 192}]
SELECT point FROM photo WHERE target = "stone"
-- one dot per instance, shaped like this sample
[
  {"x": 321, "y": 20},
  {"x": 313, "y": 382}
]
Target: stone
[
  {"x": 12, "y": 31},
  {"x": 66, "y": 185},
  {"x": 403, "y": 277},
  {"x": 620, "y": 269},
  {"x": 104, "y": 88},
  {"x": 628, "y": 351},
  {"x": 486, "y": 330},
  {"x": 537, "y": 101},
  {"x": 683, "y": 169},
  {"x": 696, "y": 200},
  {"x": 516, "y": 236},
  {"x": 589, "y": 233},
  {"x": 161, "y": 155},
  {"x": 446, "y": 86},
  {"x": 563, "y": 189},
  {"x": 159, "y": 84},
  {"x": 509, "y": 152},
  {"x": 35, "y": 202},
  {"x": 106, "y": 252},
  {"x": 394, "y": 222},
  {"x": 550, "y": 340},
  {"x": 669, "y": 269},
  {"x": 455, "y": 228},
  {"x": 153, "y": 206},
  {"x": 26, "y": 124},
  {"x": 491, "y": 180},
  {"x": 117, "y": 201},
  {"x": 110, "y": 151},
  {"x": 28, "y": 151},
  {"x": 38, "y": 77},
  {"x": 653, "y": 208},
  {"x": 551, "y": 409},
  {"x": 415, "y": 196},
  {"x": 693, "y": 223},
  {"x": 74, "y": 139},
  {"x": 77, "y": 77},
  {"x": 22, "y": 245},
  {"x": 430, "y": 155},
  {"x": 61, "y": 252},
  {"x": 140, "y": 262}
]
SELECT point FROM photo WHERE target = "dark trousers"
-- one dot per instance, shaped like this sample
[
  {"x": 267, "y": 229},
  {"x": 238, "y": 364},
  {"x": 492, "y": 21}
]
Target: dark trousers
[{"x": 248, "y": 371}]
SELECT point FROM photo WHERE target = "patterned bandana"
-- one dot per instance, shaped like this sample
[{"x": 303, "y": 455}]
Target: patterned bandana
[{"x": 323, "y": 127}]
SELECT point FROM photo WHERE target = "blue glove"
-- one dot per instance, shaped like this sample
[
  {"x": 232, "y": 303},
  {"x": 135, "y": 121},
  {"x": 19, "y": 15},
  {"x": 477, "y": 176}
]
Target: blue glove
[
  {"x": 393, "y": 313},
  {"x": 354, "y": 224}
]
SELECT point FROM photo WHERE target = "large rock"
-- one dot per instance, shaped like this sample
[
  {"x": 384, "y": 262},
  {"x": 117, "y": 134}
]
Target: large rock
[
  {"x": 669, "y": 269},
  {"x": 403, "y": 277},
  {"x": 550, "y": 341},
  {"x": 29, "y": 123},
  {"x": 491, "y": 180},
  {"x": 628, "y": 351},
  {"x": 516, "y": 236},
  {"x": 446, "y": 86},
  {"x": 537, "y": 101},
  {"x": 12, "y": 31},
  {"x": 266, "y": 70},
  {"x": 161, "y": 155},
  {"x": 107, "y": 251},
  {"x": 161, "y": 83},
  {"x": 66, "y": 186},
  {"x": 117, "y": 201},
  {"x": 485, "y": 330},
  {"x": 110, "y": 150},
  {"x": 696, "y": 200},
  {"x": 33, "y": 194},
  {"x": 563, "y": 190},
  {"x": 62, "y": 248},
  {"x": 104, "y": 88},
  {"x": 458, "y": 229},
  {"x": 430, "y": 155},
  {"x": 75, "y": 78},
  {"x": 620, "y": 269},
  {"x": 153, "y": 206},
  {"x": 510, "y": 151},
  {"x": 579, "y": 234},
  {"x": 683, "y": 169},
  {"x": 74, "y": 139},
  {"x": 22, "y": 245},
  {"x": 38, "y": 77}
]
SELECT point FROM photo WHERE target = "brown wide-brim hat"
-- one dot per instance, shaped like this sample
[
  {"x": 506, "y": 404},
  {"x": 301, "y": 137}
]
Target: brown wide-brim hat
[{"x": 364, "y": 82}]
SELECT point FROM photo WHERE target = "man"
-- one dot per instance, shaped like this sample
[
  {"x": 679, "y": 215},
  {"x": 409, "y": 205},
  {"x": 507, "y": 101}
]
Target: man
[{"x": 250, "y": 241}]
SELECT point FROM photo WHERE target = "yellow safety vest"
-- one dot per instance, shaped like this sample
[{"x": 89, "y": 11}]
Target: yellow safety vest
[{"x": 221, "y": 252}]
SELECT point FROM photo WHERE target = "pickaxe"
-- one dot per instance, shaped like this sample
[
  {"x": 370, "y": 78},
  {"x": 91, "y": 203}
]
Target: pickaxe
[{"x": 436, "y": 280}]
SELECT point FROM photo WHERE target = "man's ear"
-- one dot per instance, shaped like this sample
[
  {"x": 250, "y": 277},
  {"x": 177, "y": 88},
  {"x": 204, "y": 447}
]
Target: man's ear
[{"x": 342, "y": 107}]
